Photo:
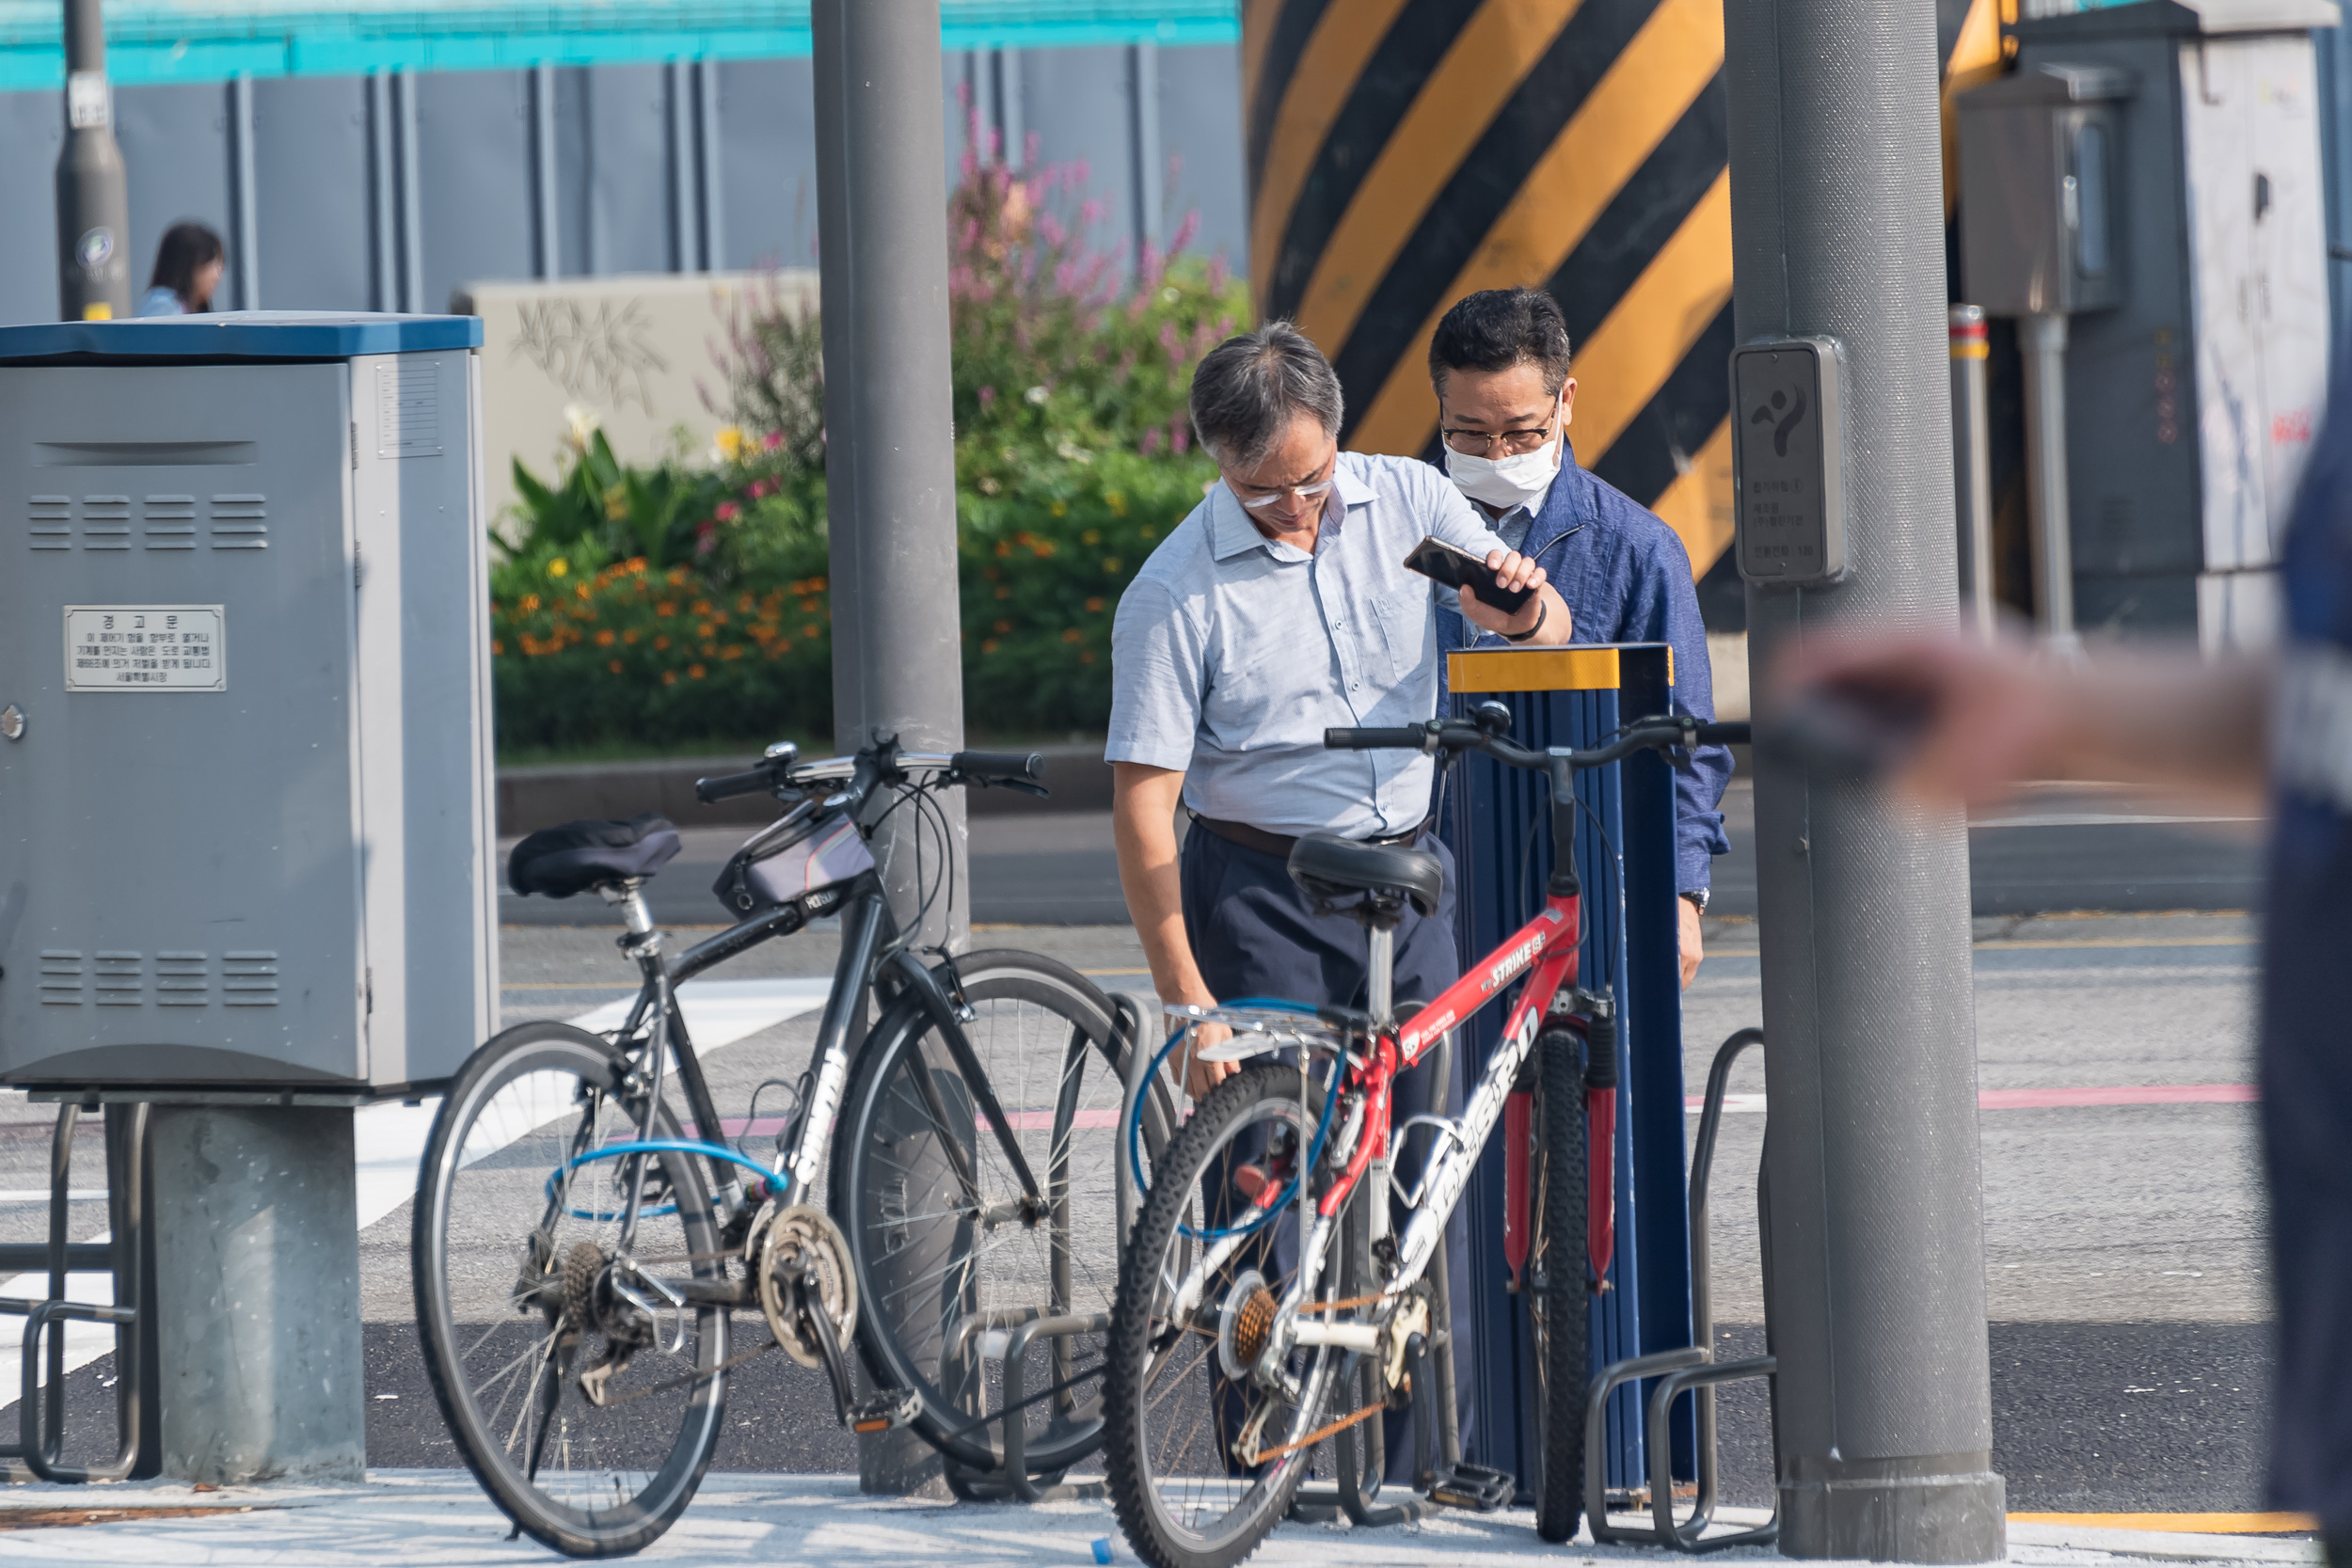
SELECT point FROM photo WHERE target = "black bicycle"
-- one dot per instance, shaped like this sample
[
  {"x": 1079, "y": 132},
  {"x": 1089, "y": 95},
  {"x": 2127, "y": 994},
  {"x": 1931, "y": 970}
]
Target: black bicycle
[{"x": 587, "y": 1224}]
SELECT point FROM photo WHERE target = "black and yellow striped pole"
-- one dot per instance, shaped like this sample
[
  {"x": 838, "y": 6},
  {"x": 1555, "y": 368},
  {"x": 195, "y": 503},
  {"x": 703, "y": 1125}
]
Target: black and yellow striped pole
[{"x": 1405, "y": 152}]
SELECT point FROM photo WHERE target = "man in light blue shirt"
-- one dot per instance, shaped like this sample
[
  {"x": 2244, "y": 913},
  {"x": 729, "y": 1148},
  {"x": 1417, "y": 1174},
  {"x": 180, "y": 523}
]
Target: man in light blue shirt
[{"x": 1281, "y": 608}]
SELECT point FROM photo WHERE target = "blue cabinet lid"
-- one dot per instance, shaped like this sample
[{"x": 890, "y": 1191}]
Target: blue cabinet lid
[{"x": 241, "y": 334}]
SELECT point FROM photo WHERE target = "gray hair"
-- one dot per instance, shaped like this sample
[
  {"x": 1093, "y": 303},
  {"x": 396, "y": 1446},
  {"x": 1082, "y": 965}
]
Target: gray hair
[{"x": 1246, "y": 391}]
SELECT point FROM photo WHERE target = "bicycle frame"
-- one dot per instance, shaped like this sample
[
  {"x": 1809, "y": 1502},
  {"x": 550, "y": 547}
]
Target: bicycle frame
[{"x": 868, "y": 929}]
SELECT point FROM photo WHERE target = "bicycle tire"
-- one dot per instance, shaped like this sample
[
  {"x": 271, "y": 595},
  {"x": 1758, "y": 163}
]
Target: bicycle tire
[
  {"x": 1045, "y": 1038},
  {"x": 1562, "y": 1301},
  {"x": 615, "y": 1489},
  {"x": 1154, "y": 1358}
]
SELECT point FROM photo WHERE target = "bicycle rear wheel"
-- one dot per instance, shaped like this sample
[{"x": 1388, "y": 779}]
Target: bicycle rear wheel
[
  {"x": 1562, "y": 1304},
  {"x": 587, "y": 1418},
  {"x": 949, "y": 1258},
  {"x": 1175, "y": 1409}
]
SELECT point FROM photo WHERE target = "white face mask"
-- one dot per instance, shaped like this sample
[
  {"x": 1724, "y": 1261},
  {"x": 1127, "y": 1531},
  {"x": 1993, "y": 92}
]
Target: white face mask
[{"x": 1505, "y": 481}]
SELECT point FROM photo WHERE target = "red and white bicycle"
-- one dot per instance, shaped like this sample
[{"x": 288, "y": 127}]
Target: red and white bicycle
[{"x": 1270, "y": 1298}]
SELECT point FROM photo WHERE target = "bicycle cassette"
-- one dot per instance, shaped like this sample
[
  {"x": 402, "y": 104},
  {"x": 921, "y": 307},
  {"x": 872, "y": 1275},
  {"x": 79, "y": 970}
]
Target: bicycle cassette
[{"x": 784, "y": 1243}]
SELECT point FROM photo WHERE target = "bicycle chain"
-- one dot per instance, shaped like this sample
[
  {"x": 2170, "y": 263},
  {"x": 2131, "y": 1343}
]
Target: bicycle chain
[{"x": 666, "y": 1385}]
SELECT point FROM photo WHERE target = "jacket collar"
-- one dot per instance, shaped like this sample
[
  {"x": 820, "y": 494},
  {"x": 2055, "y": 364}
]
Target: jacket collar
[
  {"x": 1566, "y": 508},
  {"x": 1231, "y": 532}
]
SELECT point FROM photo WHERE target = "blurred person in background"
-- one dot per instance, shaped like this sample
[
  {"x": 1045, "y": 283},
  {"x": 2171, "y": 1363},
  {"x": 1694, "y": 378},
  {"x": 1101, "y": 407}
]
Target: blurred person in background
[
  {"x": 187, "y": 269},
  {"x": 1958, "y": 723}
]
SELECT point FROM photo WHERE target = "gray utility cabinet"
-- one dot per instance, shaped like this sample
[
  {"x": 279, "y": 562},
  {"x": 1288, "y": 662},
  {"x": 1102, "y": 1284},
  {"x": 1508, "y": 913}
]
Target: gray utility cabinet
[
  {"x": 2197, "y": 362},
  {"x": 246, "y": 772}
]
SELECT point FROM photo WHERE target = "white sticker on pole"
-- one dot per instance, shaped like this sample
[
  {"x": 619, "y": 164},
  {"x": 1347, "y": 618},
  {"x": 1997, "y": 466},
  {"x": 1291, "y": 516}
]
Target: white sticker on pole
[
  {"x": 146, "y": 647},
  {"x": 90, "y": 103}
]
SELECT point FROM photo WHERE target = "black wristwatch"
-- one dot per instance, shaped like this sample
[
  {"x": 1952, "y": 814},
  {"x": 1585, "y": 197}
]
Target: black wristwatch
[
  {"x": 1698, "y": 897},
  {"x": 1543, "y": 612}
]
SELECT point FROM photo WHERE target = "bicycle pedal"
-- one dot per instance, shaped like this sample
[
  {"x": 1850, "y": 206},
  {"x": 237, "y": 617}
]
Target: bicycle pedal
[
  {"x": 1474, "y": 1487},
  {"x": 885, "y": 1412}
]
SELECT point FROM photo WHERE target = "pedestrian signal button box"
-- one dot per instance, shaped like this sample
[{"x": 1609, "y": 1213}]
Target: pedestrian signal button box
[
  {"x": 1788, "y": 460},
  {"x": 247, "y": 833}
]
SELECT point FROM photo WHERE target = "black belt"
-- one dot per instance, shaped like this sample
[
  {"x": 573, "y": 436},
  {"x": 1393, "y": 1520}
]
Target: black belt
[{"x": 1279, "y": 845}]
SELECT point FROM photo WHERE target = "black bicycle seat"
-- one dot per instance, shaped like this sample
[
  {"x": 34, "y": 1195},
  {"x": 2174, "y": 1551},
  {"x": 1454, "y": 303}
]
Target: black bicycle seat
[
  {"x": 1331, "y": 870},
  {"x": 575, "y": 857}
]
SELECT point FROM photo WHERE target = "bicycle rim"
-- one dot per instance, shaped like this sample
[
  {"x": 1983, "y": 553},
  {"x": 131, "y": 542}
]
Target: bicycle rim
[
  {"x": 1174, "y": 1412},
  {"x": 523, "y": 1313},
  {"x": 948, "y": 1270}
]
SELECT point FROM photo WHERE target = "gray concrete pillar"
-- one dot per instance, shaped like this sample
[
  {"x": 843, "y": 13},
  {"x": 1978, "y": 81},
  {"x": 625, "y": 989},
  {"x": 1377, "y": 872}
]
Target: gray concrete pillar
[{"x": 257, "y": 1295}]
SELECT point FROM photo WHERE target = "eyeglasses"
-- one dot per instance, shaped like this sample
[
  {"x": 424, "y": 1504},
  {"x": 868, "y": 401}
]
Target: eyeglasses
[
  {"x": 1478, "y": 443},
  {"x": 1261, "y": 500}
]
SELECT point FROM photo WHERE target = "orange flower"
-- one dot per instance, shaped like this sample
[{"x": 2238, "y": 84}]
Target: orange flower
[
  {"x": 530, "y": 602},
  {"x": 1094, "y": 606},
  {"x": 1003, "y": 626},
  {"x": 661, "y": 643},
  {"x": 744, "y": 603},
  {"x": 497, "y": 647},
  {"x": 1072, "y": 634},
  {"x": 629, "y": 636},
  {"x": 614, "y": 667},
  {"x": 604, "y": 639},
  {"x": 989, "y": 646},
  {"x": 694, "y": 671},
  {"x": 669, "y": 677},
  {"x": 1087, "y": 657},
  {"x": 664, "y": 607}
]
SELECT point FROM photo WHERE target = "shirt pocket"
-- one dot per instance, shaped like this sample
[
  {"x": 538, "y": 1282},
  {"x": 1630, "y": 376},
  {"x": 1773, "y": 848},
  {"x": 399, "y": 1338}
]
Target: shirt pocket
[{"x": 1409, "y": 635}]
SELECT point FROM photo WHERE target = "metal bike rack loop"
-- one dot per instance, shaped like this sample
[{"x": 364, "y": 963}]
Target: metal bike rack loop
[
  {"x": 1692, "y": 1368},
  {"x": 126, "y": 1254}
]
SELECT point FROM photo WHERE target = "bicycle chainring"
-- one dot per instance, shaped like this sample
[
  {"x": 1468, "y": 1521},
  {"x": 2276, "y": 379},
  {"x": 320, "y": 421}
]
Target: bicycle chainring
[{"x": 782, "y": 1243}]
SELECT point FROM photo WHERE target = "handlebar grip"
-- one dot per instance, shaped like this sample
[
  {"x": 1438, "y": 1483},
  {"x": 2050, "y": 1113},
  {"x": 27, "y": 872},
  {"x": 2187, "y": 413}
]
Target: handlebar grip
[
  {"x": 726, "y": 786},
  {"x": 1723, "y": 734},
  {"x": 1409, "y": 739},
  {"x": 1002, "y": 767}
]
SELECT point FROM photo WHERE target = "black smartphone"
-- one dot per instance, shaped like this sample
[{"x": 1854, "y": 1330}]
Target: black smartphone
[{"x": 1457, "y": 567}]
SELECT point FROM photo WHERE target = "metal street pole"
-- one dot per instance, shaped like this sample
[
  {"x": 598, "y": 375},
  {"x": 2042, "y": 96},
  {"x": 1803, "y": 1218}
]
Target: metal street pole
[
  {"x": 1875, "y": 1281},
  {"x": 881, "y": 225},
  {"x": 93, "y": 195},
  {"x": 2042, "y": 344}
]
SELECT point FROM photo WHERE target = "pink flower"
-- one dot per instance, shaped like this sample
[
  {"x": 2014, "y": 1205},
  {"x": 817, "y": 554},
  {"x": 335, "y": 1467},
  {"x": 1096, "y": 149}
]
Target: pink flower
[
  {"x": 1150, "y": 444},
  {"x": 988, "y": 396},
  {"x": 775, "y": 439},
  {"x": 1178, "y": 436},
  {"x": 759, "y": 488},
  {"x": 725, "y": 512}
]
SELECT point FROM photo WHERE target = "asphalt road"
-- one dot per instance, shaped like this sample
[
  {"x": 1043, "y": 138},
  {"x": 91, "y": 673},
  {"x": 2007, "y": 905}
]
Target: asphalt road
[{"x": 2059, "y": 847}]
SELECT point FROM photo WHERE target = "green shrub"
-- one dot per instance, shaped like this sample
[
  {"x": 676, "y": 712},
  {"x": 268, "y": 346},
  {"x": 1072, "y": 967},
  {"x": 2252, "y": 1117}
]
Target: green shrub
[{"x": 687, "y": 602}]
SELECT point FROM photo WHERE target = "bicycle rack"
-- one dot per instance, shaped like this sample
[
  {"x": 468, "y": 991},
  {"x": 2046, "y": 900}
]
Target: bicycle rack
[
  {"x": 1006, "y": 1336},
  {"x": 128, "y": 1255},
  {"x": 1694, "y": 1368}
]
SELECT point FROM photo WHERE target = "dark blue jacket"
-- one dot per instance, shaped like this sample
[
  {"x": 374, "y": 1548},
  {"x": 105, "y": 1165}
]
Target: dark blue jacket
[{"x": 1626, "y": 578}]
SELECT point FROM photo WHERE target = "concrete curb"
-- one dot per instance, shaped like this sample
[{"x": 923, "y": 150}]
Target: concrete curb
[{"x": 534, "y": 798}]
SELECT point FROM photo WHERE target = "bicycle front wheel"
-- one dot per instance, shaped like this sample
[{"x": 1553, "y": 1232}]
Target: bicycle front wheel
[
  {"x": 583, "y": 1397},
  {"x": 1203, "y": 1459},
  {"x": 954, "y": 1252},
  {"x": 1563, "y": 1299}
]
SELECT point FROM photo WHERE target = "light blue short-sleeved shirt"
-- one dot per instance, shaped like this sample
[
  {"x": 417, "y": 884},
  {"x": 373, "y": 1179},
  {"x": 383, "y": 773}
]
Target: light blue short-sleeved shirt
[{"x": 1232, "y": 654}]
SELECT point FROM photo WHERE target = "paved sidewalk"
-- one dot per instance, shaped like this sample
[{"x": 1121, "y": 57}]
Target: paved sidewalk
[{"x": 439, "y": 1519}]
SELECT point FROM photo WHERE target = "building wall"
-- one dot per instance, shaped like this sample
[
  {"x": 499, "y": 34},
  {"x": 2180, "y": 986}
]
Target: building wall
[{"x": 635, "y": 187}]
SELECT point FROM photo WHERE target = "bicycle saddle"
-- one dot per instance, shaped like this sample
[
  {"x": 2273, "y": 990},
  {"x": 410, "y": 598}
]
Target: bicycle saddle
[
  {"x": 575, "y": 857},
  {"x": 1331, "y": 869}
]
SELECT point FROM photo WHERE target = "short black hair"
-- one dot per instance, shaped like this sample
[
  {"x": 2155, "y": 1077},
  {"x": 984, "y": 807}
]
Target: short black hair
[
  {"x": 187, "y": 249},
  {"x": 1497, "y": 328},
  {"x": 1246, "y": 391}
]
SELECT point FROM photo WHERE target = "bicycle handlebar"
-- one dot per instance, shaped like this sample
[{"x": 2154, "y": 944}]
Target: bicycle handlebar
[
  {"x": 1440, "y": 736},
  {"x": 1016, "y": 769}
]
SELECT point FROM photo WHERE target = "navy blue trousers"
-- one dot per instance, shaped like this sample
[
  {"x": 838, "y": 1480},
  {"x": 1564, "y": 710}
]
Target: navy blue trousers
[{"x": 1253, "y": 933}]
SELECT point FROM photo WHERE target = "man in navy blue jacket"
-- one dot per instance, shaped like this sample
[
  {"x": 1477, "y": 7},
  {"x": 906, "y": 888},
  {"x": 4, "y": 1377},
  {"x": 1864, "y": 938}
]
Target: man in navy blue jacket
[{"x": 1500, "y": 360}]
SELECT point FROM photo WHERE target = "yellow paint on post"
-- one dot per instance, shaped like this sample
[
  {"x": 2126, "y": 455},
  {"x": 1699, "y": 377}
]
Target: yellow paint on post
[
  {"x": 1336, "y": 54},
  {"x": 1697, "y": 505},
  {"x": 2187, "y": 1524},
  {"x": 1485, "y": 65},
  {"x": 1533, "y": 670},
  {"x": 1654, "y": 322},
  {"x": 1646, "y": 90}
]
